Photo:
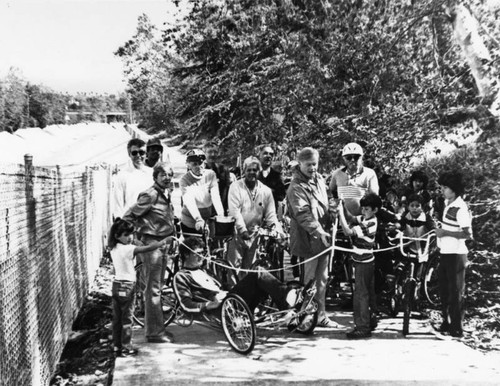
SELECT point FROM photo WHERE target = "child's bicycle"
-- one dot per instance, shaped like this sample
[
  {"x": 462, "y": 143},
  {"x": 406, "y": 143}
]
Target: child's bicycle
[
  {"x": 413, "y": 277},
  {"x": 340, "y": 271}
]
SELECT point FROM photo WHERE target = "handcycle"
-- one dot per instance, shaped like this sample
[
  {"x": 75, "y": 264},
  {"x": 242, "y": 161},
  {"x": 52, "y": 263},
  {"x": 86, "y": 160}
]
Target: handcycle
[
  {"x": 215, "y": 263},
  {"x": 414, "y": 277},
  {"x": 239, "y": 324}
]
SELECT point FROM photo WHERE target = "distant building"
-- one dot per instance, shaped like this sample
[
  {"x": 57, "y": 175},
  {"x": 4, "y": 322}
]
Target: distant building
[
  {"x": 78, "y": 116},
  {"x": 108, "y": 117},
  {"x": 116, "y": 116}
]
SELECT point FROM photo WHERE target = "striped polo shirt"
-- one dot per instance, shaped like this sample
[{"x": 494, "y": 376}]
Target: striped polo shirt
[
  {"x": 456, "y": 216},
  {"x": 365, "y": 231}
]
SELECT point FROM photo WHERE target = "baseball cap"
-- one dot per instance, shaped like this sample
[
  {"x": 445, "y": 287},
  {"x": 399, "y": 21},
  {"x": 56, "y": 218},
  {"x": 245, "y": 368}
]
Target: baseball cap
[{"x": 154, "y": 142}]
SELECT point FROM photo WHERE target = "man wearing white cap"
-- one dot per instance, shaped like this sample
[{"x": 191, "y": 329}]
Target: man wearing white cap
[{"x": 352, "y": 181}]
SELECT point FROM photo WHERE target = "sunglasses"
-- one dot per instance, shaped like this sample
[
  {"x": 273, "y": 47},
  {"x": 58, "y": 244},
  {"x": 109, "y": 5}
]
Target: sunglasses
[
  {"x": 136, "y": 152},
  {"x": 351, "y": 157}
]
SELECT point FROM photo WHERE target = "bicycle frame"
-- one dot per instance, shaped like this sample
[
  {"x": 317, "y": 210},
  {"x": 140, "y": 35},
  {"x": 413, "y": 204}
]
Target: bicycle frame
[
  {"x": 267, "y": 253},
  {"x": 413, "y": 275}
]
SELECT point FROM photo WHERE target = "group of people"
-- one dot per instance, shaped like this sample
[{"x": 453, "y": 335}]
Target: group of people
[{"x": 312, "y": 207}]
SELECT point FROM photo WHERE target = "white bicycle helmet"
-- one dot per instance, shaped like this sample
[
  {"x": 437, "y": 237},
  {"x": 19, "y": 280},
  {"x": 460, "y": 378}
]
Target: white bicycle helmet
[{"x": 352, "y": 148}]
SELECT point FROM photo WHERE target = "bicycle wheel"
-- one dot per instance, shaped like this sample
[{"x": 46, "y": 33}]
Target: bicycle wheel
[
  {"x": 408, "y": 296},
  {"x": 306, "y": 321},
  {"x": 431, "y": 281},
  {"x": 238, "y": 324},
  {"x": 169, "y": 305},
  {"x": 396, "y": 296}
]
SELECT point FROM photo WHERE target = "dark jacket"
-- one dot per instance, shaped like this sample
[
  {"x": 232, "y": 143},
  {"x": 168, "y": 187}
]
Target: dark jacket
[
  {"x": 224, "y": 180},
  {"x": 275, "y": 182}
]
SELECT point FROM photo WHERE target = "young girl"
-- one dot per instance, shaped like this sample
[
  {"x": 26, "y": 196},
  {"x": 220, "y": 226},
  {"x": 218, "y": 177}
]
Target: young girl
[{"x": 121, "y": 236}]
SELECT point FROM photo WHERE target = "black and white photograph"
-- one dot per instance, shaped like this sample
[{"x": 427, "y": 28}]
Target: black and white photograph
[{"x": 249, "y": 192}]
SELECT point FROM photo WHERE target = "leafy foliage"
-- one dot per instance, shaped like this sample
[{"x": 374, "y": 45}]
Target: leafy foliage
[
  {"x": 147, "y": 70},
  {"x": 23, "y": 104}
]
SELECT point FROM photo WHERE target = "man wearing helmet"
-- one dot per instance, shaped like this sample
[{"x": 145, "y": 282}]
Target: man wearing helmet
[
  {"x": 352, "y": 181},
  {"x": 200, "y": 193}
]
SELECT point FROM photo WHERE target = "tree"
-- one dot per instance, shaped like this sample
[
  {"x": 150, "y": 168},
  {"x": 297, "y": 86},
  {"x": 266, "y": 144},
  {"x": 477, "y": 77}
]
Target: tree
[
  {"x": 13, "y": 101},
  {"x": 147, "y": 66}
]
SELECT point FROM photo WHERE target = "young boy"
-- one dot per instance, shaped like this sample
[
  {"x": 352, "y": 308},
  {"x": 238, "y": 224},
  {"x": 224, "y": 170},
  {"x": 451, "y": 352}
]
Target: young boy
[
  {"x": 455, "y": 229},
  {"x": 415, "y": 222},
  {"x": 363, "y": 229}
]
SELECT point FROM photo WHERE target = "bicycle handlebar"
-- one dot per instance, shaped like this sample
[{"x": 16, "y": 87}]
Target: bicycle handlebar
[{"x": 400, "y": 237}]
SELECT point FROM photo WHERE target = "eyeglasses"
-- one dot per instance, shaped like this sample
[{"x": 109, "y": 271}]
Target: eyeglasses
[
  {"x": 354, "y": 157},
  {"x": 251, "y": 170},
  {"x": 135, "y": 152},
  {"x": 155, "y": 148}
]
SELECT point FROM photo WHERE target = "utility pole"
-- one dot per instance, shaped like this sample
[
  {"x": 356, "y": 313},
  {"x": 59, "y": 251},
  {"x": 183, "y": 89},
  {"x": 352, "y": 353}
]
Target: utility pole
[
  {"x": 28, "y": 110},
  {"x": 131, "y": 115}
]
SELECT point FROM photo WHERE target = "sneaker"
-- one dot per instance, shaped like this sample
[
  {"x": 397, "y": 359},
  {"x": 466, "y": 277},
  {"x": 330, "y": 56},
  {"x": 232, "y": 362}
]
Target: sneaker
[
  {"x": 457, "y": 334},
  {"x": 326, "y": 322},
  {"x": 358, "y": 334},
  {"x": 129, "y": 351},
  {"x": 444, "y": 327}
]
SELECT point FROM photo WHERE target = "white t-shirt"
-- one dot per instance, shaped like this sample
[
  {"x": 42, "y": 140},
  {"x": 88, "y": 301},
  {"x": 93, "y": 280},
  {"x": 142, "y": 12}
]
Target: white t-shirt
[
  {"x": 123, "y": 261},
  {"x": 456, "y": 216}
]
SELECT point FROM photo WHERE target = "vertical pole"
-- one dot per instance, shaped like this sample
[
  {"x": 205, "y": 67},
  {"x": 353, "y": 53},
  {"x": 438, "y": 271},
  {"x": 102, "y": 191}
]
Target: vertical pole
[{"x": 28, "y": 276}]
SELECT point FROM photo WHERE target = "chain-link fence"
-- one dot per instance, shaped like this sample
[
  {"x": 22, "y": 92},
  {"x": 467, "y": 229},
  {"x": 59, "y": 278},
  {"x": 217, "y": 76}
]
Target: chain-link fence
[{"x": 52, "y": 224}]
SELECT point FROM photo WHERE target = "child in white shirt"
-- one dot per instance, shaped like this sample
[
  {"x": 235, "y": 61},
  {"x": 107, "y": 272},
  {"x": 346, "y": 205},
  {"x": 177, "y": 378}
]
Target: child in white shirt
[{"x": 122, "y": 252}]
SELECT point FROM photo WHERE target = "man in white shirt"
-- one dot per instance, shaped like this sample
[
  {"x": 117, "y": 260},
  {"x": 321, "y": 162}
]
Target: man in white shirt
[
  {"x": 132, "y": 180},
  {"x": 251, "y": 204},
  {"x": 352, "y": 181},
  {"x": 200, "y": 194}
]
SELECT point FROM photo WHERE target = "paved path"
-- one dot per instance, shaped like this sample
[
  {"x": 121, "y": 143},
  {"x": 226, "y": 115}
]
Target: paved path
[{"x": 201, "y": 355}]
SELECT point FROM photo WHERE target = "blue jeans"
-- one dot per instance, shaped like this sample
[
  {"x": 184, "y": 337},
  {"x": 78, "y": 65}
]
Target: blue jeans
[
  {"x": 154, "y": 267},
  {"x": 451, "y": 289},
  {"x": 122, "y": 294},
  {"x": 364, "y": 301}
]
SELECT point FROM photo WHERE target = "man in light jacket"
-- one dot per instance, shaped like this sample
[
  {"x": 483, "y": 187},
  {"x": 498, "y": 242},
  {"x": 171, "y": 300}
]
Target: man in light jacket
[
  {"x": 251, "y": 204},
  {"x": 309, "y": 224}
]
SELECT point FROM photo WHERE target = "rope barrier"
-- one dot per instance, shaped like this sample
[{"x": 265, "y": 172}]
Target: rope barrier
[{"x": 355, "y": 250}]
